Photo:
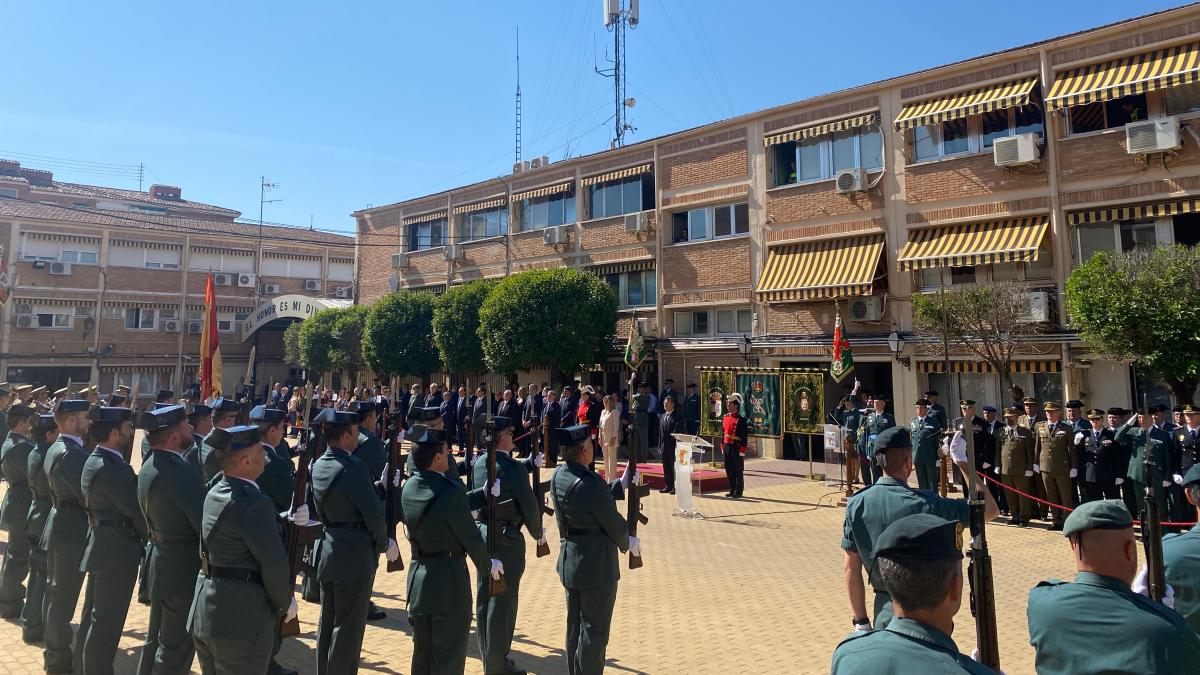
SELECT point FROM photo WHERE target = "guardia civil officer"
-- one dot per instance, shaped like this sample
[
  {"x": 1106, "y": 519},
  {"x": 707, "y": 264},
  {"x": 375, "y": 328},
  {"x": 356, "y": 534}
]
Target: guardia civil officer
[
  {"x": 65, "y": 536},
  {"x": 1054, "y": 447},
  {"x": 920, "y": 561},
  {"x": 937, "y": 409},
  {"x": 869, "y": 512},
  {"x": 44, "y": 434},
  {"x": 874, "y": 422},
  {"x": 5, "y": 401},
  {"x": 224, "y": 416},
  {"x": 437, "y": 513},
  {"x": 371, "y": 451},
  {"x": 1101, "y": 459},
  {"x": 116, "y": 536},
  {"x": 516, "y": 506},
  {"x": 1129, "y": 456},
  {"x": 1181, "y": 556},
  {"x": 278, "y": 477},
  {"x": 1097, "y": 623},
  {"x": 14, "y": 511},
  {"x": 926, "y": 430},
  {"x": 171, "y": 498},
  {"x": 591, "y": 531},
  {"x": 422, "y": 419},
  {"x": 200, "y": 417},
  {"x": 348, "y": 504},
  {"x": 244, "y": 588}
]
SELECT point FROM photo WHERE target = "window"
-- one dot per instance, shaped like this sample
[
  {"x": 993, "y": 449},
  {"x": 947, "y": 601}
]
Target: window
[
  {"x": 121, "y": 255},
  {"x": 341, "y": 269},
  {"x": 1123, "y": 236},
  {"x": 973, "y": 134},
  {"x": 634, "y": 289},
  {"x": 217, "y": 261},
  {"x": 618, "y": 197},
  {"x": 288, "y": 266},
  {"x": 1010, "y": 122},
  {"x": 689, "y": 324},
  {"x": 484, "y": 224},
  {"x": 429, "y": 234},
  {"x": 1182, "y": 99},
  {"x": 225, "y": 322},
  {"x": 147, "y": 384},
  {"x": 1039, "y": 270},
  {"x": 149, "y": 209},
  {"x": 168, "y": 314},
  {"x": 1106, "y": 114},
  {"x": 549, "y": 211},
  {"x": 931, "y": 141},
  {"x": 8, "y": 192},
  {"x": 84, "y": 311},
  {"x": 733, "y": 321},
  {"x": 195, "y": 315},
  {"x": 698, "y": 323},
  {"x": 710, "y": 222},
  {"x": 139, "y": 318},
  {"x": 53, "y": 318},
  {"x": 820, "y": 158},
  {"x": 82, "y": 257}
]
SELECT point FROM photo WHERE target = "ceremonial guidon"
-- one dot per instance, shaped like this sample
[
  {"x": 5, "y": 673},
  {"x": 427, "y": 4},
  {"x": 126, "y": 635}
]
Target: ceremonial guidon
[{"x": 14, "y": 511}]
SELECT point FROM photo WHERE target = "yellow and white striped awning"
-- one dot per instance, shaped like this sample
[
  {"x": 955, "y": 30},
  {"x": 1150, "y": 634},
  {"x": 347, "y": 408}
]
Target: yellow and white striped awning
[
  {"x": 1137, "y": 74},
  {"x": 974, "y": 102},
  {"x": 543, "y": 191},
  {"x": 972, "y": 244},
  {"x": 1038, "y": 366},
  {"x": 619, "y": 174},
  {"x": 622, "y": 267},
  {"x": 1134, "y": 212},
  {"x": 425, "y": 217},
  {"x": 836, "y": 268},
  {"x": 821, "y": 129},
  {"x": 480, "y": 206}
]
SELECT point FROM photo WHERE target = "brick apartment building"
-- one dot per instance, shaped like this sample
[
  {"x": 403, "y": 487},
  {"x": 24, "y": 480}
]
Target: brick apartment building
[
  {"x": 741, "y": 235},
  {"x": 107, "y": 285}
]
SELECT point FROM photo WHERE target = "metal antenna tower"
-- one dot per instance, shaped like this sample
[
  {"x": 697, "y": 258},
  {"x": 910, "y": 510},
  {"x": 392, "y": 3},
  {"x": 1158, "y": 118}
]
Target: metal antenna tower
[
  {"x": 616, "y": 19},
  {"x": 518, "y": 153}
]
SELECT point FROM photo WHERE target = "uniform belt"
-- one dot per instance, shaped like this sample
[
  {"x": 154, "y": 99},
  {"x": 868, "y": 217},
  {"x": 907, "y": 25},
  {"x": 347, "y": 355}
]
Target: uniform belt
[
  {"x": 440, "y": 554},
  {"x": 69, "y": 502},
  {"x": 160, "y": 538},
  {"x": 109, "y": 522},
  {"x": 584, "y": 531},
  {"x": 356, "y": 525},
  {"x": 503, "y": 523},
  {"x": 234, "y": 574}
]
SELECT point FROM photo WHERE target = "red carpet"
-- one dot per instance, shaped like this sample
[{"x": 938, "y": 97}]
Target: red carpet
[{"x": 703, "y": 478}]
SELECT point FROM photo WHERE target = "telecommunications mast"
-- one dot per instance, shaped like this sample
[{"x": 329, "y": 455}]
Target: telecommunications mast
[{"x": 616, "y": 18}]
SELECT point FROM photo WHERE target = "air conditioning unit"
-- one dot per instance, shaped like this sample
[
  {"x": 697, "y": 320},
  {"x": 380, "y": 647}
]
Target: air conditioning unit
[
  {"x": 1156, "y": 135},
  {"x": 393, "y": 283},
  {"x": 61, "y": 269},
  {"x": 454, "y": 252},
  {"x": 518, "y": 167},
  {"x": 24, "y": 308},
  {"x": 869, "y": 308},
  {"x": 25, "y": 321},
  {"x": 270, "y": 289},
  {"x": 851, "y": 180},
  {"x": 539, "y": 162},
  {"x": 1039, "y": 307},
  {"x": 245, "y": 280},
  {"x": 555, "y": 235},
  {"x": 399, "y": 261},
  {"x": 1016, "y": 150},
  {"x": 637, "y": 222},
  {"x": 194, "y": 327},
  {"x": 171, "y": 326},
  {"x": 223, "y": 279},
  {"x": 345, "y": 292},
  {"x": 312, "y": 284}
]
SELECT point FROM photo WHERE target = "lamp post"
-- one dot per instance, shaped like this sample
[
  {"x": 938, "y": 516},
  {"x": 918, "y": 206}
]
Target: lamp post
[{"x": 896, "y": 344}]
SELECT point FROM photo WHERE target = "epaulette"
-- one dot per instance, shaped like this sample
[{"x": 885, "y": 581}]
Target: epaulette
[
  {"x": 1051, "y": 582},
  {"x": 858, "y": 634}
]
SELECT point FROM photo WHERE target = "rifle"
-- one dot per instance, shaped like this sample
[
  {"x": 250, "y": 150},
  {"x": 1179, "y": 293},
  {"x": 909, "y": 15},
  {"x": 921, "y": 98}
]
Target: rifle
[
  {"x": 1156, "y": 581},
  {"x": 495, "y": 586},
  {"x": 394, "y": 510},
  {"x": 979, "y": 571},
  {"x": 636, "y": 490},
  {"x": 539, "y": 488},
  {"x": 298, "y": 538}
]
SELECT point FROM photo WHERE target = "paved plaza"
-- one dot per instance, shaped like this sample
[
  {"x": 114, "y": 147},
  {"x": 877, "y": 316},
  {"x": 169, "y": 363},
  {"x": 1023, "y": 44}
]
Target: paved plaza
[{"x": 756, "y": 587}]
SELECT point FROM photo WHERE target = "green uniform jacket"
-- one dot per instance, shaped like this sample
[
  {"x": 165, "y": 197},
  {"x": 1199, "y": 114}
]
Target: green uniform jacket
[
  {"x": 438, "y": 518},
  {"x": 248, "y": 538},
  {"x": 1096, "y": 624},
  {"x": 208, "y": 463},
  {"x": 926, "y": 436},
  {"x": 1130, "y": 438},
  {"x": 905, "y": 646},
  {"x": 1054, "y": 448},
  {"x": 39, "y": 485},
  {"x": 278, "y": 479},
  {"x": 410, "y": 468},
  {"x": 938, "y": 412},
  {"x": 67, "y": 525},
  {"x": 1181, "y": 553},
  {"x": 117, "y": 536},
  {"x": 172, "y": 499},
  {"x": 345, "y": 493},
  {"x": 516, "y": 505},
  {"x": 584, "y": 502},
  {"x": 14, "y": 460},
  {"x": 851, "y": 419},
  {"x": 1016, "y": 451},
  {"x": 371, "y": 451},
  {"x": 192, "y": 455},
  {"x": 871, "y": 425}
]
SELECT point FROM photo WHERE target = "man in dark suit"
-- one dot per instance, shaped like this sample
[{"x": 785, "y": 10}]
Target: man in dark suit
[
  {"x": 448, "y": 410},
  {"x": 434, "y": 398},
  {"x": 669, "y": 422},
  {"x": 531, "y": 415},
  {"x": 691, "y": 410},
  {"x": 568, "y": 407},
  {"x": 552, "y": 413},
  {"x": 462, "y": 412},
  {"x": 478, "y": 420}
]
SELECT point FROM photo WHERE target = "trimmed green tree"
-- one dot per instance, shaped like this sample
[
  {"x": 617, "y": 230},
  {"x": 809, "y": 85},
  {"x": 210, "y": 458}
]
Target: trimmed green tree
[
  {"x": 558, "y": 318},
  {"x": 1140, "y": 306},
  {"x": 331, "y": 339},
  {"x": 456, "y": 327},
  {"x": 398, "y": 339},
  {"x": 291, "y": 345}
]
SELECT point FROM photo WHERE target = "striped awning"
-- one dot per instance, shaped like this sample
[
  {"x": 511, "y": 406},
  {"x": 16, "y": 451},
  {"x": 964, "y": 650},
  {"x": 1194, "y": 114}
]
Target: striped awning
[
  {"x": 619, "y": 174},
  {"x": 1137, "y": 74},
  {"x": 1133, "y": 212},
  {"x": 479, "y": 206},
  {"x": 821, "y": 129},
  {"x": 622, "y": 267},
  {"x": 835, "y": 268},
  {"x": 543, "y": 191},
  {"x": 1038, "y": 366},
  {"x": 974, "y": 102},
  {"x": 425, "y": 217},
  {"x": 972, "y": 244}
]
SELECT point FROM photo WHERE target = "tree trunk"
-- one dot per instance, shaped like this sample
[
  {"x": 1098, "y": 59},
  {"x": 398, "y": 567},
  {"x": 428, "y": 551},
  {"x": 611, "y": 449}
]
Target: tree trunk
[{"x": 1184, "y": 388}]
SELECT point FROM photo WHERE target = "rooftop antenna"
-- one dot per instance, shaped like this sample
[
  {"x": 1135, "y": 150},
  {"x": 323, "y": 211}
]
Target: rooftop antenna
[
  {"x": 518, "y": 153},
  {"x": 616, "y": 18}
]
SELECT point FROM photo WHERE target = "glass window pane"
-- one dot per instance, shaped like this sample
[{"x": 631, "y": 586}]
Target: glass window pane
[
  {"x": 1006, "y": 272},
  {"x": 871, "y": 146},
  {"x": 745, "y": 321},
  {"x": 962, "y": 275},
  {"x": 595, "y": 201},
  {"x": 955, "y": 137},
  {"x": 929, "y": 278},
  {"x": 843, "y": 151},
  {"x": 633, "y": 290},
  {"x": 614, "y": 280},
  {"x": 1043, "y": 267},
  {"x": 726, "y": 321},
  {"x": 631, "y": 199},
  {"x": 809, "y": 156},
  {"x": 995, "y": 125},
  {"x": 700, "y": 323},
  {"x": 697, "y": 225},
  {"x": 1182, "y": 99},
  {"x": 651, "y": 284},
  {"x": 925, "y": 142},
  {"x": 741, "y": 218},
  {"x": 146, "y": 319},
  {"x": 131, "y": 317},
  {"x": 1125, "y": 110},
  {"x": 1085, "y": 118},
  {"x": 722, "y": 225},
  {"x": 1095, "y": 238},
  {"x": 1029, "y": 121},
  {"x": 569, "y": 208},
  {"x": 69, "y": 256},
  {"x": 437, "y": 236},
  {"x": 1137, "y": 235},
  {"x": 679, "y": 226},
  {"x": 785, "y": 163},
  {"x": 683, "y": 323},
  {"x": 87, "y": 257}
]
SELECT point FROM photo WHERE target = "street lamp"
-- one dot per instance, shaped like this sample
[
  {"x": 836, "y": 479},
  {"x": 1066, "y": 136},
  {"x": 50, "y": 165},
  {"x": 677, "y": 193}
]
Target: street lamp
[{"x": 896, "y": 344}]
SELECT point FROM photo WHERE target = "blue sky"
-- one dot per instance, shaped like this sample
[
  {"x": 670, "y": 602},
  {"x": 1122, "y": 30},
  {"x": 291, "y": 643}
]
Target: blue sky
[{"x": 352, "y": 104}]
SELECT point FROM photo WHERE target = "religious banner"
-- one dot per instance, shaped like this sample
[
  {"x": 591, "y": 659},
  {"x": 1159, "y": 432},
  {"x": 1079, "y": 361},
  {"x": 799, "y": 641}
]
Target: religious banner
[
  {"x": 843, "y": 357},
  {"x": 760, "y": 394},
  {"x": 803, "y": 403},
  {"x": 715, "y": 385}
]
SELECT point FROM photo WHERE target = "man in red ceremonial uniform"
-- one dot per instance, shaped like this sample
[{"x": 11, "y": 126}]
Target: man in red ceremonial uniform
[{"x": 737, "y": 433}]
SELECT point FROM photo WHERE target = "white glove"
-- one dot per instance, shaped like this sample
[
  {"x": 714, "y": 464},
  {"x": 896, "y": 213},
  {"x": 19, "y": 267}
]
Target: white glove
[
  {"x": 539, "y": 460},
  {"x": 986, "y": 466},
  {"x": 396, "y": 477},
  {"x": 1120, "y": 481},
  {"x": 1132, "y": 419},
  {"x": 945, "y": 449},
  {"x": 635, "y": 546},
  {"x": 299, "y": 516},
  {"x": 292, "y": 611},
  {"x": 495, "y": 488},
  {"x": 938, "y": 464},
  {"x": 384, "y": 474},
  {"x": 1028, "y": 473},
  {"x": 1074, "y": 473},
  {"x": 628, "y": 475},
  {"x": 863, "y": 627},
  {"x": 393, "y": 551},
  {"x": 1141, "y": 585},
  {"x": 1178, "y": 479},
  {"x": 541, "y": 540},
  {"x": 497, "y": 570},
  {"x": 1037, "y": 469},
  {"x": 958, "y": 448},
  {"x": 1078, "y": 437},
  {"x": 996, "y": 470}
]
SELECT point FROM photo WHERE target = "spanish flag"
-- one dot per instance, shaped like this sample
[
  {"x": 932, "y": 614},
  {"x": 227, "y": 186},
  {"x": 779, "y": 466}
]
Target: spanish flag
[{"x": 210, "y": 346}]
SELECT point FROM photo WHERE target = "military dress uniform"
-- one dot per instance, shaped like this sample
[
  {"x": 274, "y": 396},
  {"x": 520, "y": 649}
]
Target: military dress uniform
[
  {"x": 1181, "y": 558},
  {"x": 1129, "y": 457},
  {"x": 872, "y": 424},
  {"x": 172, "y": 499},
  {"x": 1186, "y": 454},
  {"x": 926, "y": 435},
  {"x": 1099, "y": 454},
  {"x": 278, "y": 478},
  {"x": 208, "y": 461},
  {"x": 516, "y": 506},
  {"x": 14, "y": 514},
  {"x": 1097, "y": 624},
  {"x": 1016, "y": 468},
  {"x": 1054, "y": 447},
  {"x": 33, "y": 614},
  {"x": 349, "y": 506},
  {"x": 244, "y": 588},
  {"x": 442, "y": 535}
]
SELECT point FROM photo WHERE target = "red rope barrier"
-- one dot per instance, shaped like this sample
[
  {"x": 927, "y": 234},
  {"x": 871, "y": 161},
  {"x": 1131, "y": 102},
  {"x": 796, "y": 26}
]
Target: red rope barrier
[{"x": 1065, "y": 508}]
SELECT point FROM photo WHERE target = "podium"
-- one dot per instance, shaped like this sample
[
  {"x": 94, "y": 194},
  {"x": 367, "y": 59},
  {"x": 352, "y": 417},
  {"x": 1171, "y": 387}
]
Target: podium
[{"x": 686, "y": 446}]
